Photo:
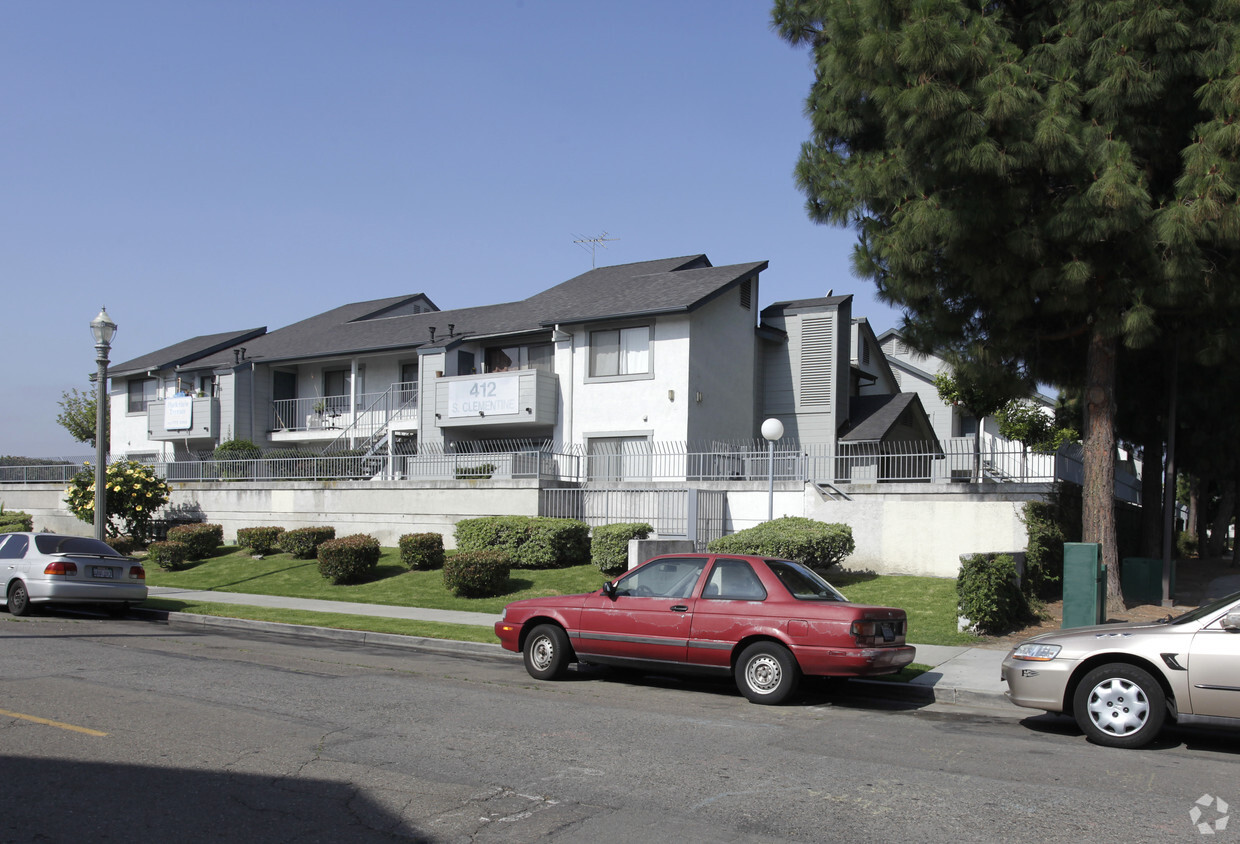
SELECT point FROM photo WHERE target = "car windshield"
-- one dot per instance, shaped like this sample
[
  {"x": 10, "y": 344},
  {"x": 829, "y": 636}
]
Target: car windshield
[
  {"x": 52, "y": 544},
  {"x": 1207, "y": 610},
  {"x": 803, "y": 583}
]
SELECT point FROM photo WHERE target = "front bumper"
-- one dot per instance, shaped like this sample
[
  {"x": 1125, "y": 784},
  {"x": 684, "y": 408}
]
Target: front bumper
[{"x": 1038, "y": 685}]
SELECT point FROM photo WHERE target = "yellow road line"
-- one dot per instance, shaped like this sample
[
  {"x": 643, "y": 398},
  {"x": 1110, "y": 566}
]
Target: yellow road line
[{"x": 36, "y": 719}]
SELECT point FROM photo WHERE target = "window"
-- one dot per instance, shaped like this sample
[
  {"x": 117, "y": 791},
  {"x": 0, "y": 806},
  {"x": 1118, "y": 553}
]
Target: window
[
  {"x": 803, "y": 583},
  {"x": 673, "y": 578},
  {"x": 618, "y": 458},
  {"x": 14, "y": 549},
  {"x": 734, "y": 580},
  {"x": 408, "y": 383},
  {"x": 623, "y": 351},
  {"x": 509, "y": 358},
  {"x": 141, "y": 394}
]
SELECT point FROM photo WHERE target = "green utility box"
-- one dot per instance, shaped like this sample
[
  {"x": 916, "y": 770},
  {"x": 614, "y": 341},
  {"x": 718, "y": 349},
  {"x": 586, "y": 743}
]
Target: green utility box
[
  {"x": 1142, "y": 580},
  {"x": 1084, "y": 584}
]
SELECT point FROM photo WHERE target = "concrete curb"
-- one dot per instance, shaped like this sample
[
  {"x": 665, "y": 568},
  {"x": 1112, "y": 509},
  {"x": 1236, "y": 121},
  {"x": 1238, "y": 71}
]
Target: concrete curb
[
  {"x": 451, "y": 647},
  {"x": 909, "y": 692}
]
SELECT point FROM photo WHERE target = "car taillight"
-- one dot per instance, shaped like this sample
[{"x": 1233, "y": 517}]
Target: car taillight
[
  {"x": 61, "y": 567},
  {"x": 137, "y": 573}
]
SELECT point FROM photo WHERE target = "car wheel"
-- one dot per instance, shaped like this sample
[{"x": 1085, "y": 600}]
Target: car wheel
[
  {"x": 19, "y": 599},
  {"x": 767, "y": 673},
  {"x": 1120, "y": 705},
  {"x": 547, "y": 652}
]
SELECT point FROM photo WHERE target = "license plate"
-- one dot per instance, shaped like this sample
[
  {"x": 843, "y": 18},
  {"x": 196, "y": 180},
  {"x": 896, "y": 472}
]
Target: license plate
[
  {"x": 102, "y": 572},
  {"x": 889, "y": 633}
]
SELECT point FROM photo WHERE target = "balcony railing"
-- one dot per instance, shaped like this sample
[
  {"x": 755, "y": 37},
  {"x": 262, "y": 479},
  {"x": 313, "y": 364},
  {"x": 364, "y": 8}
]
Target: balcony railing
[{"x": 337, "y": 413}]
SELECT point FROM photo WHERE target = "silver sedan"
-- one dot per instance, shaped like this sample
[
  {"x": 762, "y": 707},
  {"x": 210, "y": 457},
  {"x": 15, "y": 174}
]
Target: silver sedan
[
  {"x": 1122, "y": 681},
  {"x": 48, "y": 568}
]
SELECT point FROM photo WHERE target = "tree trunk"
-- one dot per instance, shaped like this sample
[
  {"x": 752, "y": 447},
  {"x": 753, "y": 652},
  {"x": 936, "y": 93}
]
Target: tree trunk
[
  {"x": 1151, "y": 497},
  {"x": 1194, "y": 509},
  {"x": 1098, "y": 495}
]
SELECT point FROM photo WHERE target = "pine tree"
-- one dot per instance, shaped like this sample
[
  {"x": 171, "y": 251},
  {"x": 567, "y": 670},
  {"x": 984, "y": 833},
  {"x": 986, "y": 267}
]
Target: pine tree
[{"x": 1038, "y": 180}]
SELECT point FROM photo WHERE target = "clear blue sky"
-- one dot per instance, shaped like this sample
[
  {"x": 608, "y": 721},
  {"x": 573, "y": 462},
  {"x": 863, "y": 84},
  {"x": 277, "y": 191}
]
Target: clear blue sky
[{"x": 207, "y": 165}]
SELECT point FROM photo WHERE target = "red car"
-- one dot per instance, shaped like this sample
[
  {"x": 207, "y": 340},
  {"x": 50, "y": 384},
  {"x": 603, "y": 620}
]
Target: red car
[{"x": 764, "y": 621}]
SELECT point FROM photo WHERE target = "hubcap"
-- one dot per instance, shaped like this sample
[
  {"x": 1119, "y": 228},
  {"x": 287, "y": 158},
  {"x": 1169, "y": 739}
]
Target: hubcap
[
  {"x": 763, "y": 674},
  {"x": 542, "y": 652},
  {"x": 1118, "y": 706}
]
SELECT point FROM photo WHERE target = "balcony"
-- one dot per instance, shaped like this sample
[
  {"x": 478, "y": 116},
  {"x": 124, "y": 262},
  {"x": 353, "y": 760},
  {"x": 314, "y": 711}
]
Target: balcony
[
  {"x": 499, "y": 399},
  {"x": 326, "y": 417},
  {"x": 183, "y": 418}
]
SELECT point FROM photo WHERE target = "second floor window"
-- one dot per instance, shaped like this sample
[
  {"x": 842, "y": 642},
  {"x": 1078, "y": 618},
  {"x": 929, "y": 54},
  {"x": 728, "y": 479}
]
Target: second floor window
[
  {"x": 621, "y": 351},
  {"x": 509, "y": 358},
  {"x": 141, "y": 394}
]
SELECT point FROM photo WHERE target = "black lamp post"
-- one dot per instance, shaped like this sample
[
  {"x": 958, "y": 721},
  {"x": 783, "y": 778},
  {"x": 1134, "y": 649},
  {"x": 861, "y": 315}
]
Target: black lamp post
[{"x": 103, "y": 328}]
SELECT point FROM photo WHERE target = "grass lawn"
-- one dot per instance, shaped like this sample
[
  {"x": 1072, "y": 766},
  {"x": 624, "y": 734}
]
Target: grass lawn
[{"x": 929, "y": 601}]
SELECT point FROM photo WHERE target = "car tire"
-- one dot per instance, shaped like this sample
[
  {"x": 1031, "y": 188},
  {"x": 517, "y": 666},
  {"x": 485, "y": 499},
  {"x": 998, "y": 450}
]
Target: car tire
[
  {"x": 1119, "y": 705},
  {"x": 547, "y": 652},
  {"x": 766, "y": 672},
  {"x": 19, "y": 599}
]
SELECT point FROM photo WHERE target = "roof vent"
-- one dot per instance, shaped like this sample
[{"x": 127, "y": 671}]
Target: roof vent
[{"x": 432, "y": 333}]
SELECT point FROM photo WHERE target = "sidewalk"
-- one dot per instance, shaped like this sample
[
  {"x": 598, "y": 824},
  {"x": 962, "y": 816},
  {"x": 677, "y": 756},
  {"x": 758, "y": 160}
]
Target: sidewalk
[{"x": 958, "y": 675}]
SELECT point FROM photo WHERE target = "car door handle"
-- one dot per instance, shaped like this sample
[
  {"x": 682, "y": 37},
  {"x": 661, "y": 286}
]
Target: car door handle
[{"x": 680, "y": 608}]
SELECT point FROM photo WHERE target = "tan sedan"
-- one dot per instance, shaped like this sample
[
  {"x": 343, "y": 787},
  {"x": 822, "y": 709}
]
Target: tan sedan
[{"x": 1121, "y": 681}]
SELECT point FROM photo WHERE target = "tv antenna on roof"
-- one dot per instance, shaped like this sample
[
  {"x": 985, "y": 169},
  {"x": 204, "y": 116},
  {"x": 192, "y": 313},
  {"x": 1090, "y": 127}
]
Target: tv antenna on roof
[{"x": 595, "y": 242}]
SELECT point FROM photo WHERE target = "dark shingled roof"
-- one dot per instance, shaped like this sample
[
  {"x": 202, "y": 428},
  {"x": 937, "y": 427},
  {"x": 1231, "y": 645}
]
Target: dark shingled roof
[
  {"x": 185, "y": 351},
  {"x": 871, "y": 417},
  {"x": 650, "y": 287}
]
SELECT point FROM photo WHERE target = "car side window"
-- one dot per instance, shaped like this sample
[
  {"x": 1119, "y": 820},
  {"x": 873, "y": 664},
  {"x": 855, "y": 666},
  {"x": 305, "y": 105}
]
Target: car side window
[
  {"x": 670, "y": 578},
  {"x": 733, "y": 580},
  {"x": 14, "y": 549}
]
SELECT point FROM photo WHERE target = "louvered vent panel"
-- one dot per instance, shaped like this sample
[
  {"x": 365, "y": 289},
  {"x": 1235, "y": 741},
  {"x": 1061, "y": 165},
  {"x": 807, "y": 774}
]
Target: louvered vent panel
[{"x": 817, "y": 352}]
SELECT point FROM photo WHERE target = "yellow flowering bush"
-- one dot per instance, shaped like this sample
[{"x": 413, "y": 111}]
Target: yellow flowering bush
[{"x": 132, "y": 491}]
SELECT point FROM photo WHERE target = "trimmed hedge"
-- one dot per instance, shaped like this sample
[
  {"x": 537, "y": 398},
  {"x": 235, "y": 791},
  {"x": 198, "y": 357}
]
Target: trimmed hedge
[
  {"x": 348, "y": 559},
  {"x": 303, "y": 543},
  {"x": 169, "y": 556},
  {"x": 532, "y": 542},
  {"x": 819, "y": 545},
  {"x": 988, "y": 595},
  {"x": 16, "y": 521},
  {"x": 260, "y": 540},
  {"x": 200, "y": 540},
  {"x": 609, "y": 544},
  {"x": 477, "y": 574},
  {"x": 422, "y": 551}
]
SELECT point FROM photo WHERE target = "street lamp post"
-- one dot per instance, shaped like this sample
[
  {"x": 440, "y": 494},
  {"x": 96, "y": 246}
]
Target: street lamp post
[
  {"x": 103, "y": 328},
  {"x": 772, "y": 429}
]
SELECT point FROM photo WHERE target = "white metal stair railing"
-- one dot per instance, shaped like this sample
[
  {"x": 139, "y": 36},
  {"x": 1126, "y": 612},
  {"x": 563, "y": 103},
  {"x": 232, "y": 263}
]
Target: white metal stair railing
[{"x": 371, "y": 424}]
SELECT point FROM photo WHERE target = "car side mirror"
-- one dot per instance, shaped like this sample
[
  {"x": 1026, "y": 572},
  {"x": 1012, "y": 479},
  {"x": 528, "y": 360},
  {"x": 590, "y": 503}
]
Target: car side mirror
[
  {"x": 1231, "y": 621},
  {"x": 609, "y": 589}
]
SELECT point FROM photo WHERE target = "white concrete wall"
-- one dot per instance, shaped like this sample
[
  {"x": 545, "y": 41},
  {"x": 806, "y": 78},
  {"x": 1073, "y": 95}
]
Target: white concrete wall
[{"x": 911, "y": 529}]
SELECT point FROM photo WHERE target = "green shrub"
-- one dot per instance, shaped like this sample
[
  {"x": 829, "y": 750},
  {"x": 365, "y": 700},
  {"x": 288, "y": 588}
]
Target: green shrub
[
  {"x": 609, "y": 544},
  {"x": 819, "y": 545},
  {"x": 16, "y": 521},
  {"x": 987, "y": 594},
  {"x": 532, "y": 542},
  {"x": 1185, "y": 545},
  {"x": 303, "y": 543},
  {"x": 132, "y": 494},
  {"x": 169, "y": 556},
  {"x": 123, "y": 545},
  {"x": 348, "y": 559},
  {"x": 237, "y": 450},
  {"x": 260, "y": 540},
  {"x": 475, "y": 472},
  {"x": 477, "y": 574},
  {"x": 422, "y": 550},
  {"x": 200, "y": 540}
]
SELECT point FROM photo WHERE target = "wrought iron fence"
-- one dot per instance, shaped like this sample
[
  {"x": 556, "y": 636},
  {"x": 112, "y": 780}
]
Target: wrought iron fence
[
  {"x": 693, "y": 514},
  {"x": 956, "y": 460}
]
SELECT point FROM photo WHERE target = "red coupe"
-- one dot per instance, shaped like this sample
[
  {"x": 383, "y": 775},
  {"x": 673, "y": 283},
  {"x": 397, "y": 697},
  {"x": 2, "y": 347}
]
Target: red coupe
[{"x": 763, "y": 621}]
